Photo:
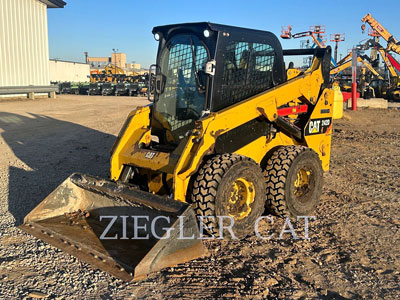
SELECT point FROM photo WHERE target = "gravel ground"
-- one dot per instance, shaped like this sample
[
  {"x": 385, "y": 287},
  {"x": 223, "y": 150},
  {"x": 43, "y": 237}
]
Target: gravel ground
[{"x": 354, "y": 246}]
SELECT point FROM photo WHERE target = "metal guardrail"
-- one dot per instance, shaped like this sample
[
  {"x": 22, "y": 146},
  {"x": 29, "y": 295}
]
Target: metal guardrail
[{"x": 9, "y": 90}]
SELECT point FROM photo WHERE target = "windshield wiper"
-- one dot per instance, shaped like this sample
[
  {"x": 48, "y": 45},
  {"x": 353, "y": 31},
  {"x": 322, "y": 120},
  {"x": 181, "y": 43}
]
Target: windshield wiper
[{"x": 201, "y": 88}]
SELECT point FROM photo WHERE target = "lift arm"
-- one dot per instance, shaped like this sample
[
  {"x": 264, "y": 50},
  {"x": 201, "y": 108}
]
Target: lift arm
[
  {"x": 346, "y": 58},
  {"x": 341, "y": 67},
  {"x": 387, "y": 62},
  {"x": 392, "y": 43},
  {"x": 348, "y": 64},
  {"x": 368, "y": 65},
  {"x": 320, "y": 44}
]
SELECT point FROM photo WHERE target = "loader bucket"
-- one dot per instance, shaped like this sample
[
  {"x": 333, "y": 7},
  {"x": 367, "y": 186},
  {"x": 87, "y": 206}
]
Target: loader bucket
[{"x": 115, "y": 227}]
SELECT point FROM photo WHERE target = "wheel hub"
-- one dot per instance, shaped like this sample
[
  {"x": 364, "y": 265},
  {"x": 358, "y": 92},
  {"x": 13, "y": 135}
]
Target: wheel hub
[
  {"x": 301, "y": 184},
  {"x": 241, "y": 198}
]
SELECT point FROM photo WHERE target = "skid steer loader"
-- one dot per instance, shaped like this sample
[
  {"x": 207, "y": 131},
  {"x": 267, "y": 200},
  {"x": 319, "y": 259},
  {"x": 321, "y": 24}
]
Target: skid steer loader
[{"x": 227, "y": 136}]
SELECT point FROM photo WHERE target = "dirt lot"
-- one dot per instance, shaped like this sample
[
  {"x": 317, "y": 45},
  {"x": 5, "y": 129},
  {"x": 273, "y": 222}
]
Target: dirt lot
[{"x": 353, "y": 253}]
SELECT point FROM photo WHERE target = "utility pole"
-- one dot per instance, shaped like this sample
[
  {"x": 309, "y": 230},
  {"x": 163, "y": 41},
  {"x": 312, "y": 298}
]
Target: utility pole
[
  {"x": 86, "y": 57},
  {"x": 337, "y": 38},
  {"x": 354, "y": 80}
]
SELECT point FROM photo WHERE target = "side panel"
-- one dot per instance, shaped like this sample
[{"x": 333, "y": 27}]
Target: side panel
[
  {"x": 260, "y": 147},
  {"x": 318, "y": 131},
  {"x": 202, "y": 141}
]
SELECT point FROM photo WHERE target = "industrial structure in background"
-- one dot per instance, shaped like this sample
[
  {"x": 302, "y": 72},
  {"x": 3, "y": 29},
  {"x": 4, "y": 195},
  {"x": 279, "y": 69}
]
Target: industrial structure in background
[
  {"x": 114, "y": 76},
  {"x": 62, "y": 71},
  {"x": 25, "y": 70},
  {"x": 116, "y": 59},
  {"x": 337, "y": 38},
  {"x": 367, "y": 79}
]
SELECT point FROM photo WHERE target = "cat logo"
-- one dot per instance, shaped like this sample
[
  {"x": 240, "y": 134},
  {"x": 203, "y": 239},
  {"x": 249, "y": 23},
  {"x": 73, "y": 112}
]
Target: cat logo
[
  {"x": 317, "y": 126},
  {"x": 314, "y": 127},
  {"x": 150, "y": 155}
]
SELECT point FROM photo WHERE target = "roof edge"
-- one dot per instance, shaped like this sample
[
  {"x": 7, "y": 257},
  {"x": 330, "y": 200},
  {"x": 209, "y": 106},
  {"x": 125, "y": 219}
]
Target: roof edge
[{"x": 54, "y": 3}]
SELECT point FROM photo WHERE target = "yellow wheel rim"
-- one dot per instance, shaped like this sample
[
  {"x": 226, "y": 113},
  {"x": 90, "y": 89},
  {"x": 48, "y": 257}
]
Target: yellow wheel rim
[
  {"x": 301, "y": 183},
  {"x": 241, "y": 198}
]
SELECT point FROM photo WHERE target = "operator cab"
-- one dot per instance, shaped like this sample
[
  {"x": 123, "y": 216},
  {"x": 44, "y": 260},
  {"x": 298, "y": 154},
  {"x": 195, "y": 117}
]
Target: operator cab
[{"x": 205, "y": 67}]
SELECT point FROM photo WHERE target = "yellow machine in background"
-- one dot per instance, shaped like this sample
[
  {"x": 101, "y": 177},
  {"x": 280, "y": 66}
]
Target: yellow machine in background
[
  {"x": 113, "y": 69},
  {"x": 228, "y": 135},
  {"x": 346, "y": 64},
  {"x": 392, "y": 43}
]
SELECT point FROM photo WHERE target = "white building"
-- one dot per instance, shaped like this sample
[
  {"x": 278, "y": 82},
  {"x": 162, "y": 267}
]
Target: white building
[
  {"x": 24, "y": 46},
  {"x": 61, "y": 71}
]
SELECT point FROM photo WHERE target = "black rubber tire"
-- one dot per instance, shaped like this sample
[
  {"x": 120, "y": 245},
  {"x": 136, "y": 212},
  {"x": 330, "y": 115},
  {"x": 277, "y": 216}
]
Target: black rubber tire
[
  {"x": 212, "y": 187},
  {"x": 280, "y": 175}
]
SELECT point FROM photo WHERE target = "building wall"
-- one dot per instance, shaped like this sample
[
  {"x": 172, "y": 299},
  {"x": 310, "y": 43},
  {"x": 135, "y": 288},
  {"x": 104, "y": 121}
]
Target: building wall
[
  {"x": 68, "y": 71},
  {"x": 118, "y": 59},
  {"x": 24, "y": 50},
  {"x": 133, "y": 66}
]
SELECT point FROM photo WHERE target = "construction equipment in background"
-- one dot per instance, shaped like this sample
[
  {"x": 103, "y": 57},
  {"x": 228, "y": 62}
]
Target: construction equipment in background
[
  {"x": 345, "y": 59},
  {"x": 68, "y": 87},
  {"x": 111, "y": 69},
  {"x": 84, "y": 88},
  {"x": 380, "y": 87},
  {"x": 344, "y": 83},
  {"x": 375, "y": 39},
  {"x": 361, "y": 59},
  {"x": 316, "y": 32},
  {"x": 64, "y": 88},
  {"x": 364, "y": 88},
  {"x": 393, "y": 91},
  {"x": 185, "y": 156},
  {"x": 392, "y": 43},
  {"x": 111, "y": 73},
  {"x": 337, "y": 38},
  {"x": 122, "y": 88},
  {"x": 95, "y": 88},
  {"x": 108, "y": 89},
  {"x": 286, "y": 32},
  {"x": 95, "y": 76},
  {"x": 138, "y": 88},
  {"x": 132, "y": 85}
]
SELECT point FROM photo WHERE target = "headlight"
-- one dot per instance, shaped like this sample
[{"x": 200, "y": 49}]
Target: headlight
[
  {"x": 206, "y": 33},
  {"x": 157, "y": 36}
]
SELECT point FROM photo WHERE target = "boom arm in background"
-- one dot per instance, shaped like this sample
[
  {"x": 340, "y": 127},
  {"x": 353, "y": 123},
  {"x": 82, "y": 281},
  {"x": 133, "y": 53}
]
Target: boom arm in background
[
  {"x": 392, "y": 43},
  {"x": 348, "y": 64}
]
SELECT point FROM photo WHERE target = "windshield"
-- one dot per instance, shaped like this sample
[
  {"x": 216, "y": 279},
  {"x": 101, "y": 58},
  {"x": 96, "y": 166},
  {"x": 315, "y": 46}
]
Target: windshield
[{"x": 181, "y": 103}]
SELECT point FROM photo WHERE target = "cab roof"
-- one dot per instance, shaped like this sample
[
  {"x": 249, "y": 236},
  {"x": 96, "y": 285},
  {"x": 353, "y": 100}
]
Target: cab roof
[{"x": 201, "y": 26}]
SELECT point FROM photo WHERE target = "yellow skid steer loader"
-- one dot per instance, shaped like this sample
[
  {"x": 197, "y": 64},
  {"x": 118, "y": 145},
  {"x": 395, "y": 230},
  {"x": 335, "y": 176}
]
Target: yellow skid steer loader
[{"x": 227, "y": 136}]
